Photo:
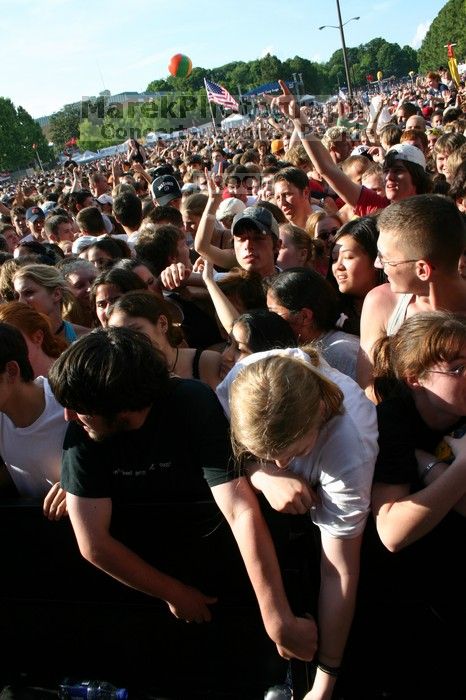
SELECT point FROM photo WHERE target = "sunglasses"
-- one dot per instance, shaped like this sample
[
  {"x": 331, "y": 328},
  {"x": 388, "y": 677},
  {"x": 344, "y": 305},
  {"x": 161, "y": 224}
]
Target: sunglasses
[{"x": 325, "y": 235}]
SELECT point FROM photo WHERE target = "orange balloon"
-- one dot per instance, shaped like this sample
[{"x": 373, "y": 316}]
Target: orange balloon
[{"x": 180, "y": 66}]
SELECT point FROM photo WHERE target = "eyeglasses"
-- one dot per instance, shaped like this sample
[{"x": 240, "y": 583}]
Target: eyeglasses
[
  {"x": 459, "y": 371},
  {"x": 382, "y": 262},
  {"x": 325, "y": 235}
]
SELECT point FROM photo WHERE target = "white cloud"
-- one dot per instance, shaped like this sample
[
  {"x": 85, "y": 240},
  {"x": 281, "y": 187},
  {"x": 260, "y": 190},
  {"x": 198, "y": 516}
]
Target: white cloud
[
  {"x": 421, "y": 31},
  {"x": 266, "y": 50}
]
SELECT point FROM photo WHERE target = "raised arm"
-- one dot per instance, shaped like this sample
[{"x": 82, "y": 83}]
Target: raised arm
[
  {"x": 320, "y": 157},
  {"x": 138, "y": 168},
  {"x": 203, "y": 240},
  {"x": 294, "y": 636},
  {"x": 226, "y": 312}
]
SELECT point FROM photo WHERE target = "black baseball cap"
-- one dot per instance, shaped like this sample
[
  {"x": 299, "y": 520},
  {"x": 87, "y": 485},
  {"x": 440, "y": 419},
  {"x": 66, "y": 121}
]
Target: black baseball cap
[
  {"x": 165, "y": 189},
  {"x": 161, "y": 170}
]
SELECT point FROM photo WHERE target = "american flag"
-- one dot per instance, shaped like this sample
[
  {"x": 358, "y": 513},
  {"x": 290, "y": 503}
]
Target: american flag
[{"x": 218, "y": 94}]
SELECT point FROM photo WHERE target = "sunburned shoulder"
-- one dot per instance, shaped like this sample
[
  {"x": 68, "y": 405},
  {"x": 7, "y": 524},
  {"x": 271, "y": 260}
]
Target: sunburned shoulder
[
  {"x": 381, "y": 299},
  {"x": 379, "y": 305}
]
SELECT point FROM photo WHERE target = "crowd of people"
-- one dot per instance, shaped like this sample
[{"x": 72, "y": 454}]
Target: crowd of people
[{"x": 276, "y": 309}]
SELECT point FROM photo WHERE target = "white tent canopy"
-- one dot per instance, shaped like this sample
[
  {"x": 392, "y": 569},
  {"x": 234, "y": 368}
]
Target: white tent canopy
[
  {"x": 112, "y": 150},
  {"x": 234, "y": 121},
  {"x": 86, "y": 157}
]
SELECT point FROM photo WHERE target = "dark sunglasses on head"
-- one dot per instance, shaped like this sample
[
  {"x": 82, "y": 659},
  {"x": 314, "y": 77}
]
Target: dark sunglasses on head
[{"x": 325, "y": 235}]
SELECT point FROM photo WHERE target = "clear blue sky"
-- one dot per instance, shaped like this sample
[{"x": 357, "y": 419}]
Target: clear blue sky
[{"x": 56, "y": 51}]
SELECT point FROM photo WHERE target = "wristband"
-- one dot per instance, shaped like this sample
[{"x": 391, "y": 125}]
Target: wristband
[
  {"x": 329, "y": 670},
  {"x": 430, "y": 466}
]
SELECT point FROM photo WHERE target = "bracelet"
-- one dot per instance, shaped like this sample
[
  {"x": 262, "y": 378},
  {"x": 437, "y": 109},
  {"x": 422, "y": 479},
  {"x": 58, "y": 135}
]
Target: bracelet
[
  {"x": 329, "y": 670},
  {"x": 430, "y": 466}
]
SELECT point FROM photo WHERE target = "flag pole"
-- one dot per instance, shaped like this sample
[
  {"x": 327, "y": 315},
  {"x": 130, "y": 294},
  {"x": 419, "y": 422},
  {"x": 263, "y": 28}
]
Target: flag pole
[
  {"x": 240, "y": 96},
  {"x": 211, "y": 111},
  {"x": 40, "y": 162},
  {"x": 38, "y": 157}
]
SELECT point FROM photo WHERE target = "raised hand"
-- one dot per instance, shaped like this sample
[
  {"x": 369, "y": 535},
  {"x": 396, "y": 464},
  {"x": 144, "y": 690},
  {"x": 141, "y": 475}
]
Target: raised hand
[
  {"x": 175, "y": 275},
  {"x": 214, "y": 183},
  {"x": 138, "y": 168},
  {"x": 286, "y": 102},
  {"x": 207, "y": 271}
]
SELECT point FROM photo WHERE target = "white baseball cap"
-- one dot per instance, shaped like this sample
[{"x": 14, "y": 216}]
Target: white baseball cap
[
  {"x": 408, "y": 152},
  {"x": 230, "y": 207}
]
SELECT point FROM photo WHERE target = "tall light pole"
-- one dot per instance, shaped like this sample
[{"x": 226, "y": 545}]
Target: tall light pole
[{"x": 342, "y": 35}]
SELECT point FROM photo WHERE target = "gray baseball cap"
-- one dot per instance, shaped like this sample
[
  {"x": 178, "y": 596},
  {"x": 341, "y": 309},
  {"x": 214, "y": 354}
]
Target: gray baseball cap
[{"x": 257, "y": 217}]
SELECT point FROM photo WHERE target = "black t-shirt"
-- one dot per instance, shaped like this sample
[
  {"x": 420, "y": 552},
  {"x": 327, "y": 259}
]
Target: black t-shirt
[
  {"x": 431, "y": 568},
  {"x": 200, "y": 329},
  {"x": 182, "y": 448},
  {"x": 401, "y": 432}
]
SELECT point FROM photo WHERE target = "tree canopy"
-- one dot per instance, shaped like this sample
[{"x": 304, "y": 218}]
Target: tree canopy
[
  {"x": 448, "y": 27},
  {"x": 318, "y": 78},
  {"x": 20, "y": 138},
  {"x": 64, "y": 125}
]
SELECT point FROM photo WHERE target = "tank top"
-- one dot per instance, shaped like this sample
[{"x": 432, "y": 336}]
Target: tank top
[
  {"x": 398, "y": 316},
  {"x": 196, "y": 358}
]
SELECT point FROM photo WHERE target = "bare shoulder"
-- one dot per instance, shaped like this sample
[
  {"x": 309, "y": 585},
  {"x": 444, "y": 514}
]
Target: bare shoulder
[
  {"x": 209, "y": 367},
  {"x": 382, "y": 295},
  {"x": 379, "y": 304},
  {"x": 376, "y": 311}
]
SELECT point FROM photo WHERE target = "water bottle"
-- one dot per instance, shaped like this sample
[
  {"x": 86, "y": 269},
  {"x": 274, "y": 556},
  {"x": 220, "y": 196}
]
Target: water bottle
[
  {"x": 90, "y": 690},
  {"x": 279, "y": 692}
]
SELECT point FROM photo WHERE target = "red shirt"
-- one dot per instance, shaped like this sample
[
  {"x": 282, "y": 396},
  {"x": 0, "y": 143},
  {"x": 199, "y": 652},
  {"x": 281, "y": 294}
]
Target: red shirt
[{"x": 369, "y": 202}]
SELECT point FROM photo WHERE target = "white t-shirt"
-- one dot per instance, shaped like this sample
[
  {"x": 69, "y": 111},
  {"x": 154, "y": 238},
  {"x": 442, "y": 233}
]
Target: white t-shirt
[
  {"x": 341, "y": 464},
  {"x": 341, "y": 350},
  {"x": 32, "y": 455}
]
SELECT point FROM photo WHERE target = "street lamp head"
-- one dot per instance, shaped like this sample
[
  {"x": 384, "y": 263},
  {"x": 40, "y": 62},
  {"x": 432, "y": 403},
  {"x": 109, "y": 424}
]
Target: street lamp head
[{"x": 350, "y": 20}]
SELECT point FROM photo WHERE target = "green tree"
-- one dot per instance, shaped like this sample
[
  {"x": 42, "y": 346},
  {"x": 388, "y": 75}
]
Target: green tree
[
  {"x": 408, "y": 60},
  {"x": 31, "y": 136},
  {"x": 270, "y": 68},
  {"x": 388, "y": 60},
  {"x": 64, "y": 125},
  {"x": 159, "y": 86},
  {"x": 448, "y": 26},
  {"x": 20, "y": 138}
]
